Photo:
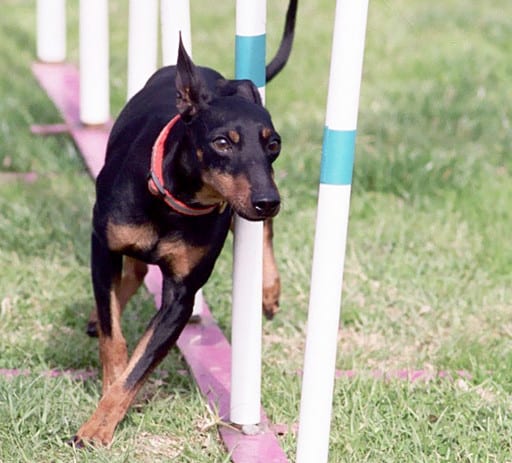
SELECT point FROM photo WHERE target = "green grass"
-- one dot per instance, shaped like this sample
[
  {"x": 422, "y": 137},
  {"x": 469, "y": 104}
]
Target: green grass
[{"x": 428, "y": 269}]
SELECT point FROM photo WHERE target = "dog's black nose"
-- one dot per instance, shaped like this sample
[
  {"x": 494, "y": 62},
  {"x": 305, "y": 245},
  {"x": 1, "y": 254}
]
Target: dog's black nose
[{"x": 267, "y": 207}]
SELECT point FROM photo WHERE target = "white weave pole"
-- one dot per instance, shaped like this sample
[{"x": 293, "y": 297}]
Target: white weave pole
[
  {"x": 94, "y": 62},
  {"x": 331, "y": 230},
  {"x": 142, "y": 43},
  {"x": 175, "y": 17},
  {"x": 51, "y": 31},
  {"x": 248, "y": 243}
]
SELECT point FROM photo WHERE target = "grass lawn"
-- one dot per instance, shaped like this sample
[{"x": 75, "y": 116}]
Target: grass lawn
[{"x": 429, "y": 258}]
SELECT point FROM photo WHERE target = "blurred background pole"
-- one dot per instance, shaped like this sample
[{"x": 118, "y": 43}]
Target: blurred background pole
[
  {"x": 51, "y": 30},
  {"x": 94, "y": 62},
  {"x": 142, "y": 43}
]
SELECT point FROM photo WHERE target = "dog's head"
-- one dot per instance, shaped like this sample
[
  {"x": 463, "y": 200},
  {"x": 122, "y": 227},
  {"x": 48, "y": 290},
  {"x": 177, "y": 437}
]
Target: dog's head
[{"x": 233, "y": 138}]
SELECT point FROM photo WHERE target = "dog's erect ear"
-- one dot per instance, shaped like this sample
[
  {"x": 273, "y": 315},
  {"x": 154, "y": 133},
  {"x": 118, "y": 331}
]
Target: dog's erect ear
[
  {"x": 243, "y": 88},
  {"x": 192, "y": 94}
]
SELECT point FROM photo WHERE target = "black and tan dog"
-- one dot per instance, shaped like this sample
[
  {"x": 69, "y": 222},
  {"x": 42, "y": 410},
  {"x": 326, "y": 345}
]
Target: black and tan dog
[{"x": 185, "y": 153}]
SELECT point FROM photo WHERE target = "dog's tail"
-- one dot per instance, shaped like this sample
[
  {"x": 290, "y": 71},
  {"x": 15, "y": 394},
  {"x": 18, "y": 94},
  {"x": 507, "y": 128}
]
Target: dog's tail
[{"x": 283, "y": 53}]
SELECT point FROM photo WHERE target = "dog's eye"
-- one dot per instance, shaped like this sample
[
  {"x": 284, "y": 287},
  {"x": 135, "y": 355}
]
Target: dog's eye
[
  {"x": 274, "y": 147},
  {"x": 221, "y": 144}
]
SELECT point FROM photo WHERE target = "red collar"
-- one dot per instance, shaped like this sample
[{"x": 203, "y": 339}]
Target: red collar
[{"x": 156, "y": 180}]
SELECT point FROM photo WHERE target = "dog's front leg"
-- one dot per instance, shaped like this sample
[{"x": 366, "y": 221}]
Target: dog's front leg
[
  {"x": 161, "y": 334},
  {"x": 132, "y": 277},
  {"x": 106, "y": 267}
]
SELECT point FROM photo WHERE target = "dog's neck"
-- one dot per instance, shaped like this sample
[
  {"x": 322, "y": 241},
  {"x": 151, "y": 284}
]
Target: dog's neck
[{"x": 175, "y": 175}]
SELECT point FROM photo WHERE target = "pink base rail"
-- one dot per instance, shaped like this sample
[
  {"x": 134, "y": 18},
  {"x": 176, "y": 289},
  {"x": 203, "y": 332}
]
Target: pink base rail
[{"x": 203, "y": 344}]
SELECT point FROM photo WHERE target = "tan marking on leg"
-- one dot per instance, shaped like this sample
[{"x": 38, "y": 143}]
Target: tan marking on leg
[
  {"x": 113, "y": 350},
  {"x": 115, "y": 402},
  {"x": 134, "y": 272},
  {"x": 112, "y": 408},
  {"x": 138, "y": 352},
  {"x": 181, "y": 257},
  {"x": 271, "y": 280},
  {"x": 122, "y": 236}
]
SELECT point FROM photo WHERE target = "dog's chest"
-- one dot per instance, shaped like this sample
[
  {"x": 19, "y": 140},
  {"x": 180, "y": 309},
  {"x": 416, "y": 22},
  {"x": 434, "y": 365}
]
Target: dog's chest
[{"x": 146, "y": 243}]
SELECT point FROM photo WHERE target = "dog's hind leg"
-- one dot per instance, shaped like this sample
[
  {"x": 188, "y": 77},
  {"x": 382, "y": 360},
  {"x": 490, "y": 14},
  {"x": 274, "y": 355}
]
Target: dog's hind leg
[
  {"x": 132, "y": 277},
  {"x": 271, "y": 280}
]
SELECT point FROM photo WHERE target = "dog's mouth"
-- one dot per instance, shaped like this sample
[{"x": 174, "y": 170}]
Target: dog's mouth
[{"x": 257, "y": 211}]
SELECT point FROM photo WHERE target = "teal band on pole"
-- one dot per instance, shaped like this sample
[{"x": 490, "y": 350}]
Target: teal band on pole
[
  {"x": 337, "y": 157},
  {"x": 331, "y": 231},
  {"x": 250, "y": 58}
]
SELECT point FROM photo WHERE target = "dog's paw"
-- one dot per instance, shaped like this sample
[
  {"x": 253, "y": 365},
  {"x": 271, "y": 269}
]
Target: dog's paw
[
  {"x": 99, "y": 438},
  {"x": 76, "y": 442},
  {"x": 92, "y": 329},
  {"x": 271, "y": 299},
  {"x": 97, "y": 432},
  {"x": 195, "y": 319}
]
